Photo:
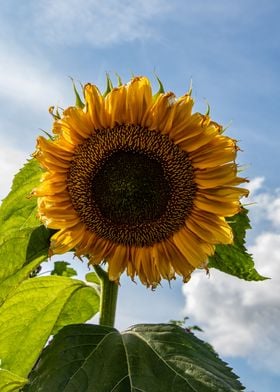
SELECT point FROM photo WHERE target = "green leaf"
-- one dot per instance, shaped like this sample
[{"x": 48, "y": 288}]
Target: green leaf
[
  {"x": 39, "y": 307},
  {"x": 61, "y": 269},
  {"x": 12, "y": 281},
  {"x": 182, "y": 324},
  {"x": 93, "y": 278},
  {"x": 234, "y": 259},
  {"x": 18, "y": 209},
  {"x": 10, "y": 382},
  {"x": 82, "y": 306},
  {"x": 38, "y": 244},
  {"x": 24, "y": 242},
  {"x": 150, "y": 358},
  {"x": 20, "y": 253}
]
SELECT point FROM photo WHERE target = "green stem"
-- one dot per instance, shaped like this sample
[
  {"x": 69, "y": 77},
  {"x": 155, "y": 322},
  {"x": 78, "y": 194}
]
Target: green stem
[{"x": 108, "y": 298}]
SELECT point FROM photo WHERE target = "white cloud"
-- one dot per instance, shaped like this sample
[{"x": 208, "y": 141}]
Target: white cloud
[
  {"x": 27, "y": 80},
  {"x": 11, "y": 160},
  {"x": 243, "y": 318},
  {"x": 255, "y": 185},
  {"x": 265, "y": 203},
  {"x": 98, "y": 23},
  {"x": 28, "y": 87}
]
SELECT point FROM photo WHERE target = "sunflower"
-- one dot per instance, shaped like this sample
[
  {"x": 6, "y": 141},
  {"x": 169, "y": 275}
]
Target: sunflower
[{"x": 138, "y": 181}]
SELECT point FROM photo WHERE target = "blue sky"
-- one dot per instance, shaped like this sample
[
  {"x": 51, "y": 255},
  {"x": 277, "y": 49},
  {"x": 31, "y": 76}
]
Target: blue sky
[{"x": 230, "y": 50}]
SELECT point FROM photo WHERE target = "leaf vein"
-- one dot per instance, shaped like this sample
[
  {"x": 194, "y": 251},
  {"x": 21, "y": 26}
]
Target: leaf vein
[{"x": 163, "y": 360}]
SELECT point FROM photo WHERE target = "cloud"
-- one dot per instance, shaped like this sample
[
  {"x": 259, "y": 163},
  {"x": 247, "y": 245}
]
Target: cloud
[
  {"x": 28, "y": 87},
  {"x": 243, "y": 318},
  {"x": 27, "y": 80},
  {"x": 11, "y": 160},
  {"x": 71, "y": 22},
  {"x": 255, "y": 185},
  {"x": 265, "y": 203},
  {"x": 268, "y": 206}
]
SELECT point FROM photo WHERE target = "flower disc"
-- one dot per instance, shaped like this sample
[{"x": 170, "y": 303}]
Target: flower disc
[
  {"x": 128, "y": 191},
  {"x": 138, "y": 181}
]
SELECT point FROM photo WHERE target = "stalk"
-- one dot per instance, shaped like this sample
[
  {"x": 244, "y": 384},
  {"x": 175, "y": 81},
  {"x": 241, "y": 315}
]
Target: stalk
[{"x": 108, "y": 298}]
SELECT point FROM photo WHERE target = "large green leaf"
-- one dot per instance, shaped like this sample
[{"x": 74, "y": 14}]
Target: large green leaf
[
  {"x": 234, "y": 259},
  {"x": 20, "y": 253},
  {"x": 10, "y": 382},
  {"x": 37, "y": 308},
  {"x": 18, "y": 210},
  {"x": 24, "y": 242},
  {"x": 146, "y": 358}
]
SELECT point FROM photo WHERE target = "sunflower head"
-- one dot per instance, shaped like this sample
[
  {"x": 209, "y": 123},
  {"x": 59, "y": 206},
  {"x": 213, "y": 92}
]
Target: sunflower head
[{"x": 138, "y": 181}]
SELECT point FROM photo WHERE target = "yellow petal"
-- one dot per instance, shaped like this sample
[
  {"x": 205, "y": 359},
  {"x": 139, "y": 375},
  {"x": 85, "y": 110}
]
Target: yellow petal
[
  {"x": 65, "y": 240},
  {"x": 146, "y": 269},
  {"x": 190, "y": 127},
  {"x": 159, "y": 112},
  {"x": 79, "y": 121},
  {"x": 190, "y": 144},
  {"x": 195, "y": 250},
  {"x": 224, "y": 193},
  {"x": 161, "y": 260},
  {"x": 214, "y": 234},
  {"x": 217, "y": 152},
  {"x": 115, "y": 104},
  {"x": 217, "y": 207},
  {"x": 139, "y": 99},
  {"x": 217, "y": 176},
  {"x": 182, "y": 117},
  {"x": 53, "y": 148},
  {"x": 176, "y": 259},
  {"x": 95, "y": 107},
  {"x": 117, "y": 262}
]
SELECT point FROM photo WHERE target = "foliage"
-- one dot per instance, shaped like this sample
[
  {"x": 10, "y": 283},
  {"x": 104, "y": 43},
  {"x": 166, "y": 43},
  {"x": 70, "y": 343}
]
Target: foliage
[
  {"x": 38, "y": 308},
  {"x": 10, "y": 382},
  {"x": 150, "y": 358},
  {"x": 234, "y": 259},
  {"x": 31, "y": 310},
  {"x": 182, "y": 324},
  {"x": 61, "y": 269},
  {"x": 80, "y": 357},
  {"x": 24, "y": 242}
]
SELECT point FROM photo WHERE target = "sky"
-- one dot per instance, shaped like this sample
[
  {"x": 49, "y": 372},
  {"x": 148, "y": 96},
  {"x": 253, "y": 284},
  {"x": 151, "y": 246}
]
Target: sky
[{"x": 230, "y": 52}]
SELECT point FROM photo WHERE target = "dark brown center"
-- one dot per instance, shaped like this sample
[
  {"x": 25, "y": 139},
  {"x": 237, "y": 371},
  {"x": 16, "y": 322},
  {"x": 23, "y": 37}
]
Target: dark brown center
[
  {"x": 130, "y": 188},
  {"x": 131, "y": 185}
]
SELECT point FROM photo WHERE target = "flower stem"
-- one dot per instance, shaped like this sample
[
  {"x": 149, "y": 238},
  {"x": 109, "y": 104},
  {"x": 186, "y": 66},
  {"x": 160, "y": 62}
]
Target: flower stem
[{"x": 108, "y": 298}]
